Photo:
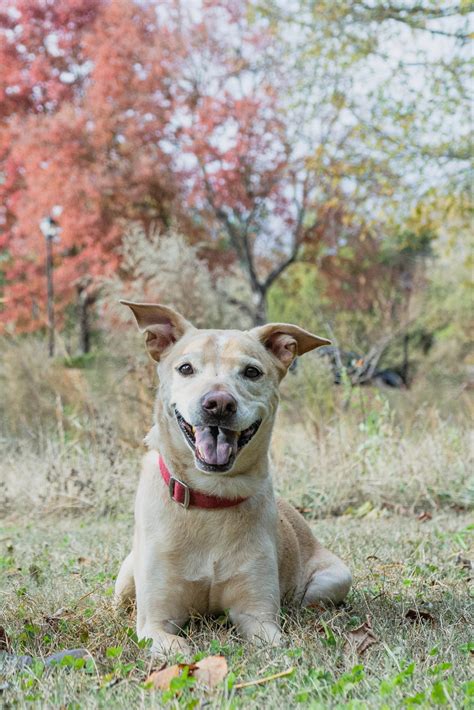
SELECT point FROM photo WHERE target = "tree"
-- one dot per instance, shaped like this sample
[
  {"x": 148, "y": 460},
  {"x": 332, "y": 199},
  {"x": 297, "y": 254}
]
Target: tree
[
  {"x": 89, "y": 111},
  {"x": 115, "y": 97},
  {"x": 240, "y": 122},
  {"x": 261, "y": 175},
  {"x": 253, "y": 187},
  {"x": 399, "y": 71}
]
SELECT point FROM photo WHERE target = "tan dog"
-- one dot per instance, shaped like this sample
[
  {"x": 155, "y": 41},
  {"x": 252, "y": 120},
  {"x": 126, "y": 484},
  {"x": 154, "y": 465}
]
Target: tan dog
[{"x": 209, "y": 533}]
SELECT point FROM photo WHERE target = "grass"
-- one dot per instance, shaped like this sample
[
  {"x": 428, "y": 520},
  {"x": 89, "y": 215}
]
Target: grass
[
  {"x": 59, "y": 574},
  {"x": 386, "y": 482}
]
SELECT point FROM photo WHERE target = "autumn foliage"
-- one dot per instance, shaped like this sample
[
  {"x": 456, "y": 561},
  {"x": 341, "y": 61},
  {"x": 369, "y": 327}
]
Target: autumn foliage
[
  {"x": 121, "y": 112},
  {"x": 174, "y": 115}
]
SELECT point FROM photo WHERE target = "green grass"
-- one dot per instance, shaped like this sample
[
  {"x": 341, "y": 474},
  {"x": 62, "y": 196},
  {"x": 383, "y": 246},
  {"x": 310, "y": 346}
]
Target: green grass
[{"x": 58, "y": 575}]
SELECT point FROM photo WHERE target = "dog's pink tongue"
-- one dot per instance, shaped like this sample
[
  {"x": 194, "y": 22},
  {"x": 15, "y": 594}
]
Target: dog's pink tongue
[{"x": 215, "y": 444}]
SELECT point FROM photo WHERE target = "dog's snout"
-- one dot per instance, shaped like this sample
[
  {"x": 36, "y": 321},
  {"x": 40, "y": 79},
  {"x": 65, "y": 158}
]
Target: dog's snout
[{"x": 220, "y": 404}]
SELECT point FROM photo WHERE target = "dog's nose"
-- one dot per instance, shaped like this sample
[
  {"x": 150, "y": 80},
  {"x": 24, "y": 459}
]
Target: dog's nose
[{"x": 219, "y": 403}]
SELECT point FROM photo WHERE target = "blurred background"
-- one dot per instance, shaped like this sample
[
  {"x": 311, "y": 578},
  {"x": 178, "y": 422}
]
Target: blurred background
[{"x": 244, "y": 161}]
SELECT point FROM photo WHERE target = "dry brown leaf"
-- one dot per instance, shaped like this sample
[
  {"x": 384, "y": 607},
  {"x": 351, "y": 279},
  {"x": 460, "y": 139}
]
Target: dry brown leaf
[
  {"x": 417, "y": 615},
  {"x": 54, "y": 619},
  {"x": 424, "y": 516},
  {"x": 318, "y": 607},
  {"x": 303, "y": 510},
  {"x": 208, "y": 671},
  {"x": 161, "y": 679},
  {"x": 465, "y": 562},
  {"x": 5, "y": 644},
  {"x": 361, "y": 638},
  {"x": 84, "y": 561},
  {"x": 211, "y": 670}
]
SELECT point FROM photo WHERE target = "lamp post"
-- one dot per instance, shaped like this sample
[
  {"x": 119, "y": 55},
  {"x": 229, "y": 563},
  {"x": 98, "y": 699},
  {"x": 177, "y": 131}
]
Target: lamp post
[{"x": 50, "y": 229}]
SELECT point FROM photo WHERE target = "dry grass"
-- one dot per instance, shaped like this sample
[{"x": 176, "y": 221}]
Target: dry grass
[
  {"x": 384, "y": 481},
  {"x": 400, "y": 564}
]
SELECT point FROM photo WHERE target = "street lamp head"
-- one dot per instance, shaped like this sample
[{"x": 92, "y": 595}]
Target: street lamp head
[{"x": 50, "y": 228}]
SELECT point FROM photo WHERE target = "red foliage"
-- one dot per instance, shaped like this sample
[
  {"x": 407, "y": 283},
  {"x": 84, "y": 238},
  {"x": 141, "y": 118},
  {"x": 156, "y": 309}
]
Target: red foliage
[
  {"x": 152, "y": 112},
  {"x": 87, "y": 101}
]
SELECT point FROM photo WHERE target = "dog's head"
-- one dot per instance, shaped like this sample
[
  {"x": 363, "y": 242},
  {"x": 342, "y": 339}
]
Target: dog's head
[{"x": 218, "y": 388}]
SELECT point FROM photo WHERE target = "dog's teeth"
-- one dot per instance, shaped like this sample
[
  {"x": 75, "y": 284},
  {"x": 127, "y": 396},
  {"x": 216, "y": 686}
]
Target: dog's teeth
[{"x": 194, "y": 429}]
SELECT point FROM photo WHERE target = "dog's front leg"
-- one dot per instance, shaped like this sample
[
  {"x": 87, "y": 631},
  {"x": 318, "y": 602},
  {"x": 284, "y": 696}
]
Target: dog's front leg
[
  {"x": 253, "y": 600},
  {"x": 161, "y": 614},
  {"x": 164, "y": 642}
]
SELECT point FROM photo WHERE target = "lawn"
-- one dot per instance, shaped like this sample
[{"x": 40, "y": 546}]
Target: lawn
[{"x": 411, "y": 577}]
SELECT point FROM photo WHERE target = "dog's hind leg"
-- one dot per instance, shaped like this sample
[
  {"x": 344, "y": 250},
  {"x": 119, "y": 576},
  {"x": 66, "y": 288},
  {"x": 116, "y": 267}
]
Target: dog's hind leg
[
  {"x": 329, "y": 579},
  {"x": 125, "y": 583}
]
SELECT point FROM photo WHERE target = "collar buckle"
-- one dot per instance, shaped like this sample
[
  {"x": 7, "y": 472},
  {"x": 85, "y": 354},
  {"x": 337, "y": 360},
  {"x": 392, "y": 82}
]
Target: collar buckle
[{"x": 171, "y": 488}]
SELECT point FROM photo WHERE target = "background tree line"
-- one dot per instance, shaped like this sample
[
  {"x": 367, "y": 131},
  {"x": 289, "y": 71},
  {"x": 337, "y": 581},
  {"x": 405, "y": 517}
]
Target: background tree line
[{"x": 310, "y": 163}]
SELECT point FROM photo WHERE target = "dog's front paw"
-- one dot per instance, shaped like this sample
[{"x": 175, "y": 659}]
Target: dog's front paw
[
  {"x": 264, "y": 634},
  {"x": 166, "y": 645}
]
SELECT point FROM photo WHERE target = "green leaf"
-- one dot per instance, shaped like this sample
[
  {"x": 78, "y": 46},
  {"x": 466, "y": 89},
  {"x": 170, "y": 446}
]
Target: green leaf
[{"x": 114, "y": 652}]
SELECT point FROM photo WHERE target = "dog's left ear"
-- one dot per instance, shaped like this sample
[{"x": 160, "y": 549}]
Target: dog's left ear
[
  {"x": 286, "y": 341},
  {"x": 163, "y": 326}
]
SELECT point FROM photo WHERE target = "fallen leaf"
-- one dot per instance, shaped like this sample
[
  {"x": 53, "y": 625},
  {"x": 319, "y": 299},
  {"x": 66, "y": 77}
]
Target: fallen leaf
[
  {"x": 60, "y": 613},
  {"x": 396, "y": 508},
  {"x": 361, "y": 638},
  {"x": 424, "y": 516},
  {"x": 208, "y": 671},
  {"x": 161, "y": 679},
  {"x": 84, "y": 561},
  {"x": 303, "y": 510},
  {"x": 417, "y": 615},
  {"x": 54, "y": 619},
  {"x": 211, "y": 670},
  {"x": 465, "y": 563},
  {"x": 317, "y": 606},
  {"x": 5, "y": 644}
]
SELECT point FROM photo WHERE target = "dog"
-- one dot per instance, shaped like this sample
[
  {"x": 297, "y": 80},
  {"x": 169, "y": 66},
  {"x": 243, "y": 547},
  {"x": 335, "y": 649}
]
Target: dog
[{"x": 210, "y": 535}]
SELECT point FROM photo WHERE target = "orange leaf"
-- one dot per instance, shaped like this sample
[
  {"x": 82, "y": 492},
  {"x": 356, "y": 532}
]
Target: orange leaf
[
  {"x": 361, "y": 639},
  {"x": 211, "y": 670},
  {"x": 161, "y": 679},
  {"x": 208, "y": 671}
]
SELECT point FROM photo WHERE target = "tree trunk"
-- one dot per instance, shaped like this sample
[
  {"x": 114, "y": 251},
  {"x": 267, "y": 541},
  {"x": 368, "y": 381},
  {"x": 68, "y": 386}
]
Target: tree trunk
[
  {"x": 406, "y": 361},
  {"x": 50, "y": 294},
  {"x": 84, "y": 302},
  {"x": 84, "y": 330},
  {"x": 260, "y": 311}
]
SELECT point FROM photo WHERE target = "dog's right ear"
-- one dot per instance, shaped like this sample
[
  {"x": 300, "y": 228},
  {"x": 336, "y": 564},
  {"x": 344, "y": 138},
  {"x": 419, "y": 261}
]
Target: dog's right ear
[{"x": 162, "y": 325}]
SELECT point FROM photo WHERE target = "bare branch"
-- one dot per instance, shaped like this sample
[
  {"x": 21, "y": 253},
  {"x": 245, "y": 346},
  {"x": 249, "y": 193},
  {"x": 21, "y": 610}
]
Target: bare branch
[{"x": 298, "y": 236}]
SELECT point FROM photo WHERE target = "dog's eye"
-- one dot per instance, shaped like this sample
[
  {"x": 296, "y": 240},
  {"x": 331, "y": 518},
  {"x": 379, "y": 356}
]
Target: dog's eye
[
  {"x": 186, "y": 369},
  {"x": 253, "y": 373}
]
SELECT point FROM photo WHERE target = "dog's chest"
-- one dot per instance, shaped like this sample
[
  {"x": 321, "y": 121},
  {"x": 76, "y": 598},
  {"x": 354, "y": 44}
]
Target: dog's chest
[
  {"x": 210, "y": 559},
  {"x": 211, "y": 567},
  {"x": 208, "y": 550}
]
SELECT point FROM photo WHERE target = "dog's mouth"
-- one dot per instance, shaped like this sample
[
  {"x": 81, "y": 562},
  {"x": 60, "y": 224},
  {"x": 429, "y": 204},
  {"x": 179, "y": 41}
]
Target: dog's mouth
[{"x": 215, "y": 448}]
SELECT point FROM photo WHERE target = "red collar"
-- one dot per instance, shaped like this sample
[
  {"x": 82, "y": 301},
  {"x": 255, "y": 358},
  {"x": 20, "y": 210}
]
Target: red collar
[{"x": 184, "y": 495}]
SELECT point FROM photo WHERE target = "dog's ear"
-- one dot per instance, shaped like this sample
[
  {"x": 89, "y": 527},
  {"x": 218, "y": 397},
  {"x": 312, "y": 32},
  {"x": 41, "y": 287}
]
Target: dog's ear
[
  {"x": 162, "y": 325},
  {"x": 286, "y": 341}
]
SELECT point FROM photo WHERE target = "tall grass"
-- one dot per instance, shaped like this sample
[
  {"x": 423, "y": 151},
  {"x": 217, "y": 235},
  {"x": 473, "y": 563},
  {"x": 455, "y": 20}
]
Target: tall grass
[{"x": 71, "y": 437}]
